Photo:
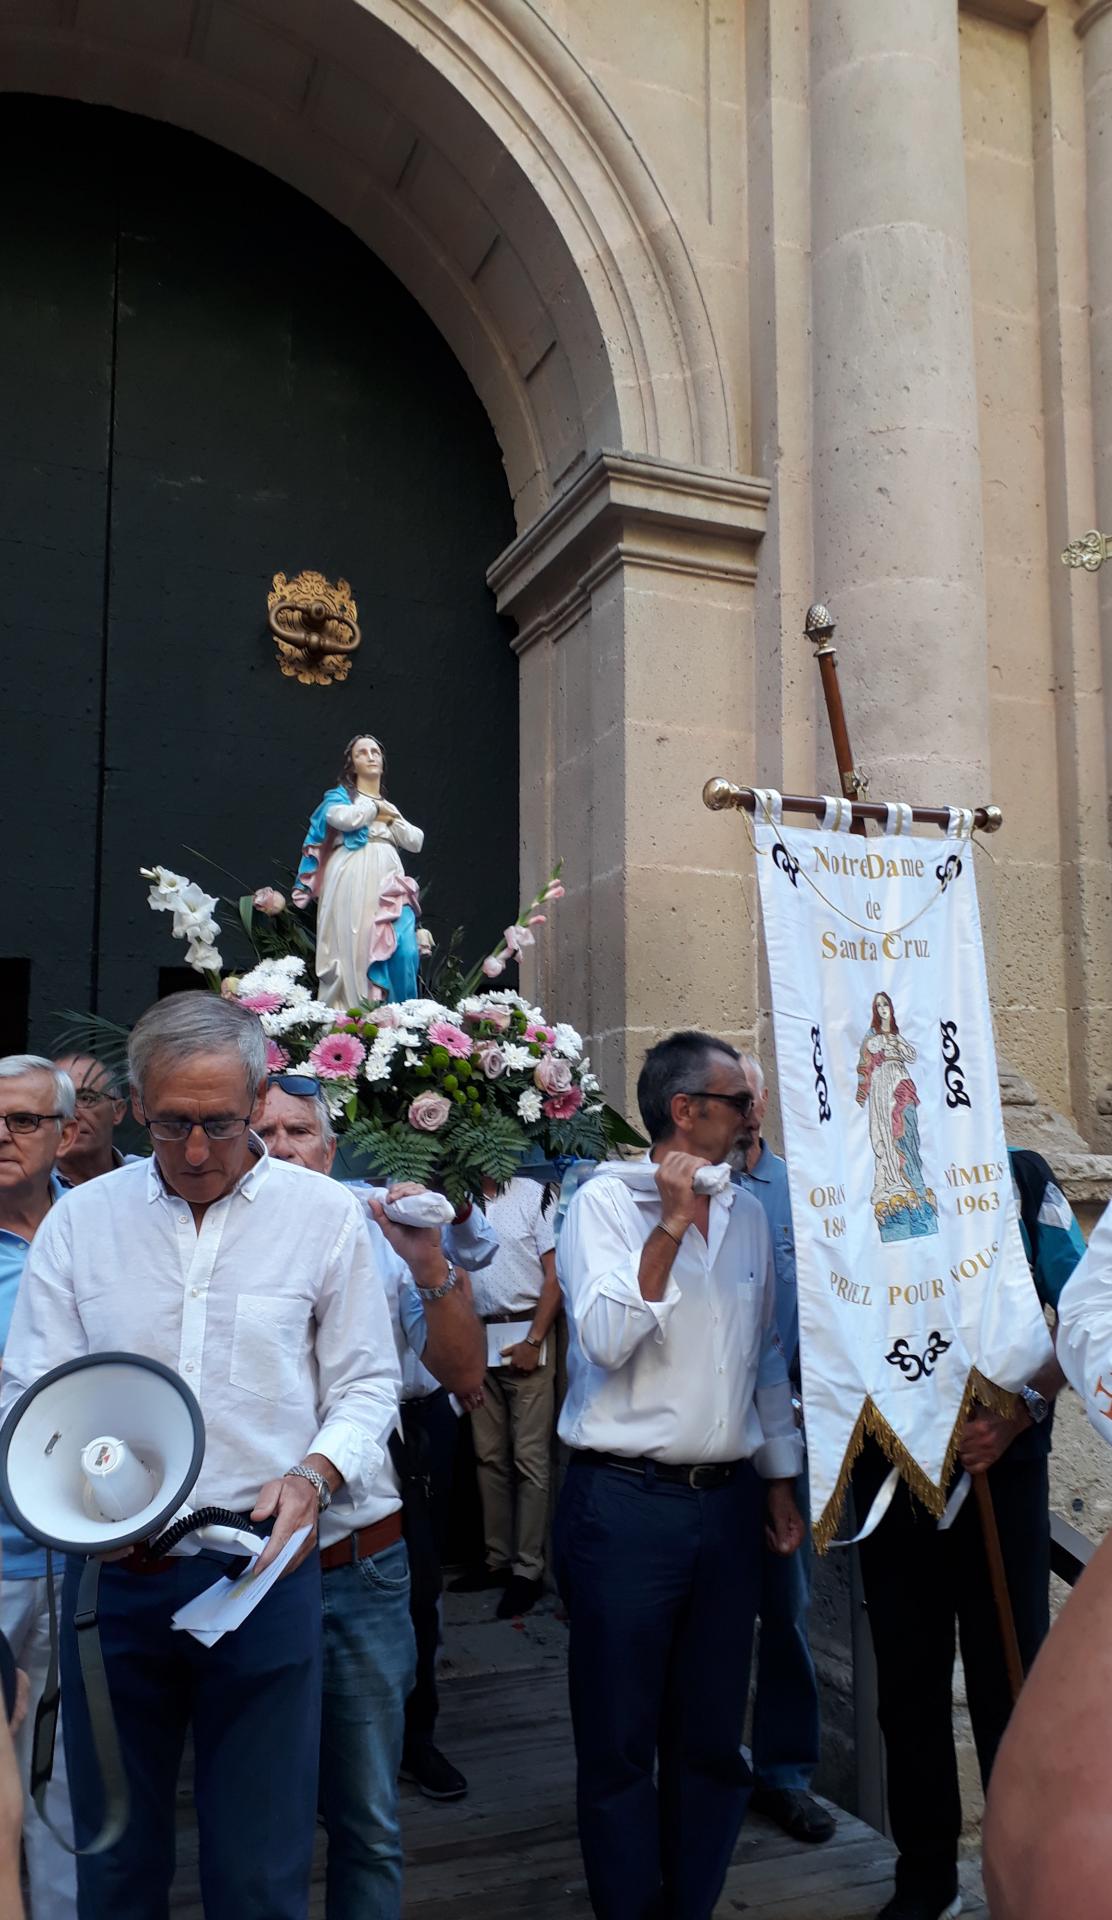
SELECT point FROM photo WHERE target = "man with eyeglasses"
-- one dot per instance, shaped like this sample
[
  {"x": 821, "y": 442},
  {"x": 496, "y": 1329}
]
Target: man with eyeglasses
[
  {"x": 372, "y": 1652},
  {"x": 101, "y": 1106},
  {"x": 684, "y": 1449},
  {"x": 255, "y": 1282},
  {"x": 36, "y": 1122}
]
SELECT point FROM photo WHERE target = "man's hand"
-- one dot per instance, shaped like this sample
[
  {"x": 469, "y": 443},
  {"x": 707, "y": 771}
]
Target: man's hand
[
  {"x": 470, "y": 1401},
  {"x": 295, "y": 1504},
  {"x": 522, "y": 1358},
  {"x": 784, "y": 1529},
  {"x": 419, "y": 1247},
  {"x": 22, "y": 1701},
  {"x": 679, "y": 1202},
  {"x": 987, "y": 1436}
]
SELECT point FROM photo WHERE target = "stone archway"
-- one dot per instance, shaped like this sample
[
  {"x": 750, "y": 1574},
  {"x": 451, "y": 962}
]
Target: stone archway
[{"x": 467, "y": 146}]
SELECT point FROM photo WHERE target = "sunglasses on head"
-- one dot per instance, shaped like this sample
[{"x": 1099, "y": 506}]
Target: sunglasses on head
[{"x": 303, "y": 1086}]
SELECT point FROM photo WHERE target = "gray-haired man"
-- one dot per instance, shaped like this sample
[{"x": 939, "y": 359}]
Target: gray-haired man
[
  {"x": 255, "y": 1282},
  {"x": 36, "y": 1121}
]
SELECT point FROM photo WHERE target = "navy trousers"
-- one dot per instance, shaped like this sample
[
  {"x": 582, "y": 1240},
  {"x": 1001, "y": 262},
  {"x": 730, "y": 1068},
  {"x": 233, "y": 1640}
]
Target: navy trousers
[
  {"x": 661, "y": 1584},
  {"x": 254, "y": 1703}
]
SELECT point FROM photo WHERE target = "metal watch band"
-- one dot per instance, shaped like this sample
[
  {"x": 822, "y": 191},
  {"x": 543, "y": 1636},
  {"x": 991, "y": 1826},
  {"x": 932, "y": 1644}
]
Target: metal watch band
[
  {"x": 446, "y": 1286},
  {"x": 315, "y": 1479},
  {"x": 1036, "y": 1404}
]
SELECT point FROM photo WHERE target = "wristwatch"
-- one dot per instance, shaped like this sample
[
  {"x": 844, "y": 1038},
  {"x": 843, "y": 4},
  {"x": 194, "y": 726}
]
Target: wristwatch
[
  {"x": 315, "y": 1479},
  {"x": 1037, "y": 1407},
  {"x": 437, "y": 1293}
]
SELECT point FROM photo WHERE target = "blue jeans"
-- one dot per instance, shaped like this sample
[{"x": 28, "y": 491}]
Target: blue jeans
[
  {"x": 661, "y": 1583},
  {"x": 786, "y": 1709},
  {"x": 369, "y": 1664},
  {"x": 253, "y": 1701}
]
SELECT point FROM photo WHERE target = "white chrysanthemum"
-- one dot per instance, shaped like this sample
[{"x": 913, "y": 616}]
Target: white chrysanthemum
[
  {"x": 529, "y": 1105},
  {"x": 568, "y": 1042},
  {"x": 517, "y": 1058},
  {"x": 386, "y": 1042},
  {"x": 336, "y": 1094},
  {"x": 589, "y": 1083},
  {"x": 412, "y": 1058},
  {"x": 314, "y": 1013},
  {"x": 376, "y": 1068},
  {"x": 420, "y": 1013}
]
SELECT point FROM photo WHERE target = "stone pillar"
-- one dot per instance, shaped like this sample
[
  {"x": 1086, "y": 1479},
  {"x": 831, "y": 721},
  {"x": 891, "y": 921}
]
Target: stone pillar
[
  {"x": 1095, "y": 28},
  {"x": 633, "y": 596},
  {"x": 897, "y": 487}
]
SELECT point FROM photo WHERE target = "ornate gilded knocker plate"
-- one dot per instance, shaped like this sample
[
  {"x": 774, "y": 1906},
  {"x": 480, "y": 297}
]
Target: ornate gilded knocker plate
[{"x": 314, "y": 627}]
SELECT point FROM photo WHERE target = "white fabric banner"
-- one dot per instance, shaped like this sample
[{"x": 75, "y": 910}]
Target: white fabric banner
[{"x": 914, "y": 1291}]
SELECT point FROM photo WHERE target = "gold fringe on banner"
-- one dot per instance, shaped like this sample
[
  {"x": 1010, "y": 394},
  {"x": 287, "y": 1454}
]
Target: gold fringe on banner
[{"x": 871, "y": 1421}]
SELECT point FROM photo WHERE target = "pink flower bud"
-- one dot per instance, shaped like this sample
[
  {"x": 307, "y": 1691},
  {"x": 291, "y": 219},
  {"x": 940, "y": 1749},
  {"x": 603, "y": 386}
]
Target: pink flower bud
[
  {"x": 492, "y": 966},
  {"x": 537, "y": 919}
]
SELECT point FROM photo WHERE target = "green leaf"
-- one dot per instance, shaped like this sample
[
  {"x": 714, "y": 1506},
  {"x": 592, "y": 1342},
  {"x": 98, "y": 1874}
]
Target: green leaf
[
  {"x": 90, "y": 1033},
  {"x": 247, "y": 916},
  {"x": 618, "y": 1131}
]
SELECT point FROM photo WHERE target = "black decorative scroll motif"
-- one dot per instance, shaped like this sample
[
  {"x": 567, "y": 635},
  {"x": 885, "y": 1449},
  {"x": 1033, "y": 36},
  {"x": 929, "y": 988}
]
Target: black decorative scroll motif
[
  {"x": 918, "y": 1366},
  {"x": 956, "y": 1095},
  {"x": 822, "y": 1091},
  {"x": 949, "y": 871},
  {"x": 786, "y": 862}
]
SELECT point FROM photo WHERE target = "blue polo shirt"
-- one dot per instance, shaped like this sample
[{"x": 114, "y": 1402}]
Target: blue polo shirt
[
  {"x": 23, "y": 1559},
  {"x": 768, "y": 1183}
]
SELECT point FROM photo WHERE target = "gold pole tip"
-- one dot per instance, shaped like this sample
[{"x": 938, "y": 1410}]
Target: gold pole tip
[{"x": 719, "y": 793}]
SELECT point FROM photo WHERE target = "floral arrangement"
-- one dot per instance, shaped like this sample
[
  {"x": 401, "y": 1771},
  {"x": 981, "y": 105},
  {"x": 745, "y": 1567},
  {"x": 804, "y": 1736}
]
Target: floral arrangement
[{"x": 448, "y": 1092}]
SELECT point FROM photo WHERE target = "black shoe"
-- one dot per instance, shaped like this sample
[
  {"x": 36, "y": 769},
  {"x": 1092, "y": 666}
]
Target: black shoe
[
  {"x": 519, "y": 1596},
  {"x": 436, "y": 1777},
  {"x": 922, "y": 1903},
  {"x": 480, "y": 1580},
  {"x": 798, "y": 1813}
]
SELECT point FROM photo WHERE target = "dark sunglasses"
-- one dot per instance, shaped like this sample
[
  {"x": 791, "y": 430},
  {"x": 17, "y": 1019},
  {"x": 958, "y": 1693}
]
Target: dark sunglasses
[
  {"x": 302, "y": 1085},
  {"x": 740, "y": 1102}
]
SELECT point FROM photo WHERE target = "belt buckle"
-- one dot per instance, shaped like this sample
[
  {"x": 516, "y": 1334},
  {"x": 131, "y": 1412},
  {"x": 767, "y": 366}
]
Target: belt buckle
[{"x": 693, "y": 1479}]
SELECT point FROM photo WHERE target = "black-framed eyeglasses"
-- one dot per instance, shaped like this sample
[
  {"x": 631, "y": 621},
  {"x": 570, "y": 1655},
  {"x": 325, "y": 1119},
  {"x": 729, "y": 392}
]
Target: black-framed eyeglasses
[
  {"x": 27, "y": 1122},
  {"x": 92, "y": 1096},
  {"x": 303, "y": 1086},
  {"x": 741, "y": 1102},
  {"x": 177, "y": 1127}
]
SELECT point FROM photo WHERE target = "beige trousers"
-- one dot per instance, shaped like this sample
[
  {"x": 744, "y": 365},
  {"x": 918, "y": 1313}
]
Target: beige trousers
[{"x": 512, "y": 1434}]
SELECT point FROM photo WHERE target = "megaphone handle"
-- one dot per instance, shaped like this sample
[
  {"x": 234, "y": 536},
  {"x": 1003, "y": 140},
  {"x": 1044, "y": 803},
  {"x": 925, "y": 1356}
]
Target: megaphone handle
[
  {"x": 117, "y": 1801},
  {"x": 204, "y": 1517}
]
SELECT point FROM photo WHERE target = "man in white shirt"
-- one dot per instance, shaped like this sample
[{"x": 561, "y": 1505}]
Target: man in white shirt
[
  {"x": 684, "y": 1443},
  {"x": 518, "y": 1295},
  {"x": 371, "y": 1646},
  {"x": 255, "y": 1282}
]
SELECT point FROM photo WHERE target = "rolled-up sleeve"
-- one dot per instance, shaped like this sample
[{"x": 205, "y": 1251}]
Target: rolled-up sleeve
[
  {"x": 471, "y": 1243},
  {"x": 357, "y": 1364},
  {"x": 46, "y": 1328},
  {"x": 780, "y": 1454},
  {"x": 598, "y": 1260}
]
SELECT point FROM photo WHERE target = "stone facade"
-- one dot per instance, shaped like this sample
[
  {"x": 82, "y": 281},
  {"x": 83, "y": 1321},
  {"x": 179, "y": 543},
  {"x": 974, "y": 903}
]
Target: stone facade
[{"x": 767, "y": 301}]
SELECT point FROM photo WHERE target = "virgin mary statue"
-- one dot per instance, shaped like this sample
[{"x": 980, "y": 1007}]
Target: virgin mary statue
[
  {"x": 904, "y": 1206},
  {"x": 368, "y": 945}
]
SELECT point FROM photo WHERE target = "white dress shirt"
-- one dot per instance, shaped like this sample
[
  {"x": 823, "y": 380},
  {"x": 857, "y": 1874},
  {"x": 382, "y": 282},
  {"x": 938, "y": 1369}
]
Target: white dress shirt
[
  {"x": 470, "y": 1243},
  {"x": 272, "y": 1312},
  {"x": 511, "y": 1283},
  {"x": 695, "y": 1377}
]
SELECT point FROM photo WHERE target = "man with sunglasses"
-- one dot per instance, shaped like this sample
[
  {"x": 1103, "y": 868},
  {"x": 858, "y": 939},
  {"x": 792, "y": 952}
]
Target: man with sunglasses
[
  {"x": 256, "y": 1283},
  {"x": 36, "y": 1123},
  {"x": 684, "y": 1450},
  {"x": 101, "y": 1106}
]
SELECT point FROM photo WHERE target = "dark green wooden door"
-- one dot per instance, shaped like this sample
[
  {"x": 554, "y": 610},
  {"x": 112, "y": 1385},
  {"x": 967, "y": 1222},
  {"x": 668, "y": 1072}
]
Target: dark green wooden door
[{"x": 206, "y": 379}]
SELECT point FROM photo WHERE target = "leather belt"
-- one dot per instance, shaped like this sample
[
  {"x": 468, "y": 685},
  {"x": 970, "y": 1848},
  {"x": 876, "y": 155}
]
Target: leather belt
[
  {"x": 137, "y": 1562},
  {"x": 712, "y": 1473},
  {"x": 362, "y": 1545},
  {"x": 506, "y": 1319}
]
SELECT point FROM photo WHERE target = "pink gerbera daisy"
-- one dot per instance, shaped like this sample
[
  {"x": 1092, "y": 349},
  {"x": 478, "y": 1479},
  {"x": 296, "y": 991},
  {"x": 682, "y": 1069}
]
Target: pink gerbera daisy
[
  {"x": 277, "y": 1059},
  {"x": 261, "y": 1002},
  {"x": 337, "y": 1057},
  {"x": 443, "y": 1034},
  {"x": 561, "y": 1106}
]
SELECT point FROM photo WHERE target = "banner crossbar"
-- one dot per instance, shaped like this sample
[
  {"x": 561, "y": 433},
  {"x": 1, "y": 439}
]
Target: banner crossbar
[{"x": 720, "y": 795}]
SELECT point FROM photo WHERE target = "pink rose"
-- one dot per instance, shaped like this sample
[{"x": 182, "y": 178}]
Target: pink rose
[
  {"x": 492, "y": 1059},
  {"x": 561, "y": 1106},
  {"x": 498, "y": 1018},
  {"x": 553, "y": 1075},
  {"x": 268, "y": 900},
  {"x": 492, "y": 966},
  {"x": 429, "y": 1112},
  {"x": 442, "y": 1033},
  {"x": 386, "y": 1015},
  {"x": 337, "y": 1057}
]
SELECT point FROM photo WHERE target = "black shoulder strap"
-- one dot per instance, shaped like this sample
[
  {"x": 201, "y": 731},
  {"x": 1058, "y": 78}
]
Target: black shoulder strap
[{"x": 1033, "y": 1176}]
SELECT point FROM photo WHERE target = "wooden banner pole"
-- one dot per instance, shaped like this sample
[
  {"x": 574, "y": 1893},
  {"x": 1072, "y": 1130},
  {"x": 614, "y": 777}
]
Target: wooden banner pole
[{"x": 819, "y": 629}]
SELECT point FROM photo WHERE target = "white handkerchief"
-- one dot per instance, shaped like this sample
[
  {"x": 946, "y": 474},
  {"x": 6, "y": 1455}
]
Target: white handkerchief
[
  {"x": 415, "y": 1209},
  {"x": 224, "y": 1607},
  {"x": 641, "y": 1175}
]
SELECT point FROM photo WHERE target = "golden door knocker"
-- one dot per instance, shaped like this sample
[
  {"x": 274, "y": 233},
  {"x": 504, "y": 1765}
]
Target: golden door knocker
[{"x": 314, "y": 628}]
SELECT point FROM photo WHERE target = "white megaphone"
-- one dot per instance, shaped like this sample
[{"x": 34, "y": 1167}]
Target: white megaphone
[
  {"x": 100, "y": 1453},
  {"x": 97, "y": 1456}
]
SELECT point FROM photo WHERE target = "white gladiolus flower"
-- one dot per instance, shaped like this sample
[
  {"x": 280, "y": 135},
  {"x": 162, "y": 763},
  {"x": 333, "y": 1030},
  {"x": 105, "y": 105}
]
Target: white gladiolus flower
[
  {"x": 529, "y": 1105},
  {"x": 203, "y": 957}
]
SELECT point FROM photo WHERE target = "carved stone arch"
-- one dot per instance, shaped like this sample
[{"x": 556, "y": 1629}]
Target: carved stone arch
[{"x": 471, "y": 150}]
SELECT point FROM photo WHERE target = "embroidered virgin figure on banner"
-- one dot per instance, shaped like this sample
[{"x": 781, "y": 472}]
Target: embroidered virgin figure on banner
[{"x": 904, "y": 1206}]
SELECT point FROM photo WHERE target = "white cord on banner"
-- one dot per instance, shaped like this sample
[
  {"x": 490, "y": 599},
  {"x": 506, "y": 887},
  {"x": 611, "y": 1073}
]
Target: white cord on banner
[{"x": 838, "y": 817}]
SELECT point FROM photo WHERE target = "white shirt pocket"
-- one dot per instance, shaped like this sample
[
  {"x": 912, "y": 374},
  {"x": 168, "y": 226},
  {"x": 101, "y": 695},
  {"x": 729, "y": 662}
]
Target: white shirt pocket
[{"x": 267, "y": 1343}]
